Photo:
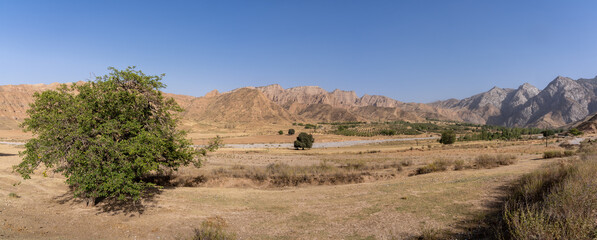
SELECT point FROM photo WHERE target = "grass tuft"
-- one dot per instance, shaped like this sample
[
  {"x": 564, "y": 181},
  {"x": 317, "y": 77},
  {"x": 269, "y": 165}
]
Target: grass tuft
[
  {"x": 213, "y": 229},
  {"x": 492, "y": 161},
  {"x": 435, "y": 166},
  {"x": 557, "y": 154}
]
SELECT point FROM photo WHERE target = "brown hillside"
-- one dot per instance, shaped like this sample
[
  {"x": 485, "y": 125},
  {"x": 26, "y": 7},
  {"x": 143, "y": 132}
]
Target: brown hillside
[
  {"x": 327, "y": 113},
  {"x": 588, "y": 125},
  {"x": 14, "y": 102},
  {"x": 243, "y": 105}
]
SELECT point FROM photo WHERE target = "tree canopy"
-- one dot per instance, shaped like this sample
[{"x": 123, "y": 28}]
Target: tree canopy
[
  {"x": 448, "y": 137},
  {"x": 106, "y": 136},
  {"x": 303, "y": 141}
]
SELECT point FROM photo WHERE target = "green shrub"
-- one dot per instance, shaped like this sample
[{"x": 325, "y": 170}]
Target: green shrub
[
  {"x": 280, "y": 132},
  {"x": 448, "y": 137},
  {"x": 14, "y": 195},
  {"x": 388, "y": 132},
  {"x": 575, "y": 132},
  {"x": 291, "y": 131},
  {"x": 435, "y": 166},
  {"x": 303, "y": 141}
]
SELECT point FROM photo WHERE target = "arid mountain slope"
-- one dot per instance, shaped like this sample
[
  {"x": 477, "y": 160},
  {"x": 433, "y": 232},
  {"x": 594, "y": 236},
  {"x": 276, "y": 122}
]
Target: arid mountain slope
[
  {"x": 14, "y": 102},
  {"x": 309, "y": 102},
  {"x": 562, "y": 102},
  {"x": 244, "y": 105}
]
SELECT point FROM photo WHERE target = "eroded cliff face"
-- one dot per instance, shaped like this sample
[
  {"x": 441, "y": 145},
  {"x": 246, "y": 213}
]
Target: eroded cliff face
[{"x": 314, "y": 103}]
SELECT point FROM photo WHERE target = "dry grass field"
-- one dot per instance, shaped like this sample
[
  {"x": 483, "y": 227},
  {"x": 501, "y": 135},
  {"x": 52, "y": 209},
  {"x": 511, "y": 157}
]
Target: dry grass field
[{"x": 359, "y": 192}]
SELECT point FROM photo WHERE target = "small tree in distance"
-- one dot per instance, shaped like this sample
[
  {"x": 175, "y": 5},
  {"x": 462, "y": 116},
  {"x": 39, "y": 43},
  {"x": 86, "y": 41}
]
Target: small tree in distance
[
  {"x": 280, "y": 132},
  {"x": 303, "y": 141},
  {"x": 291, "y": 131},
  {"x": 106, "y": 136},
  {"x": 448, "y": 137}
]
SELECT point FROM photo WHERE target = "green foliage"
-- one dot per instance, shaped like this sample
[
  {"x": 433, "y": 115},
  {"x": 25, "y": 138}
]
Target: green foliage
[
  {"x": 575, "y": 132},
  {"x": 106, "y": 135},
  {"x": 303, "y": 141},
  {"x": 310, "y": 126},
  {"x": 14, "y": 195},
  {"x": 280, "y": 132},
  {"x": 448, "y": 137},
  {"x": 291, "y": 131},
  {"x": 548, "y": 132}
]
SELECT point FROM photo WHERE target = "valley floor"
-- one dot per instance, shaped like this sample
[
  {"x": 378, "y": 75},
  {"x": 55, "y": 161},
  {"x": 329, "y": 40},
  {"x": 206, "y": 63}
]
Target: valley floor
[{"x": 400, "y": 207}]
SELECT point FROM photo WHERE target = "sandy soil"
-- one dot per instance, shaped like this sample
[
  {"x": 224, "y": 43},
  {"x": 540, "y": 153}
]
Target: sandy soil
[{"x": 399, "y": 207}]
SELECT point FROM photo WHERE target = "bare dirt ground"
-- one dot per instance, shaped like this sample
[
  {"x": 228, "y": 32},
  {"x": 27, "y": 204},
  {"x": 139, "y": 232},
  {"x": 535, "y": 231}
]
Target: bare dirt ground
[{"x": 401, "y": 207}]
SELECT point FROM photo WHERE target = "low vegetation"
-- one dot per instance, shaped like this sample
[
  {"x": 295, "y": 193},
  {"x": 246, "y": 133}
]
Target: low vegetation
[
  {"x": 575, "y": 132},
  {"x": 213, "y": 229},
  {"x": 282, "y": 175},
  {"x": 557, "y": 154},
  {"x": 435, "y": 166},
  {"x": 465, "y": 131},
  {"x": 481, "y": 161},
  {"x": 555, "y": 202},
  {"x": 492, "y": 161}
]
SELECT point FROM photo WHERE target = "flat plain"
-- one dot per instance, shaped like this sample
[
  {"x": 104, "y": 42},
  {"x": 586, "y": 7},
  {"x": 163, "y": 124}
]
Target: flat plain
[{"x": 382, "y": 203}]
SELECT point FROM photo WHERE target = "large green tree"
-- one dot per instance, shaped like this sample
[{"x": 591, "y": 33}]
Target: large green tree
[
  {"x": 448, "y": 137},
  {"x": 303, "y": 141},
  {"x": 106, "y": 136}
]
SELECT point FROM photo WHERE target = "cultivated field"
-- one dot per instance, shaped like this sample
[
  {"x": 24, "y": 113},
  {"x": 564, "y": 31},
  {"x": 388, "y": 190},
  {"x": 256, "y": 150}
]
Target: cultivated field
[{"x": 358, "y": 192}]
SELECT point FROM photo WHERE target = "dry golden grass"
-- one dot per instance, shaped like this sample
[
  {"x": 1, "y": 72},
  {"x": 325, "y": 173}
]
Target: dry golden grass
[{"x": 398, "y": 207}]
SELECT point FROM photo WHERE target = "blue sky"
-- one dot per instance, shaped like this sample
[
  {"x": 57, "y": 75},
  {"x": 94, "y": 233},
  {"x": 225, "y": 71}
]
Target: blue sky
[{"x": 417, "y": 51}]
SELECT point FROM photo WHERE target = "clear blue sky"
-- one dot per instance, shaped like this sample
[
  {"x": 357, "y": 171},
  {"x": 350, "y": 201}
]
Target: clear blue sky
[{"x": 409, "y": 50}]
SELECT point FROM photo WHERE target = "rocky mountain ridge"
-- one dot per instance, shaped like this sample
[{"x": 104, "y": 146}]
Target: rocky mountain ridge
[{"x": 562, "y": 102}]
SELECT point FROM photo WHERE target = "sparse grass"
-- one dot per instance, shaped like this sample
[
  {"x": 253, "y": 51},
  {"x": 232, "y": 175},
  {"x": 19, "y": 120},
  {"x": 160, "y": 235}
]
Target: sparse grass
[
  {"x": 435, "y": 166},
  {"x": 557, "y": 154},
  {"x": 281, "y": 174},
  {"x": 459, "y": 164},
  {"x": 557, "y": 202},
  {"x": 213, "y": 229},
  {"x": 428, "y": 233},
  {"x": 492, "y": 161},
  {"x": 406, "y": 163}
]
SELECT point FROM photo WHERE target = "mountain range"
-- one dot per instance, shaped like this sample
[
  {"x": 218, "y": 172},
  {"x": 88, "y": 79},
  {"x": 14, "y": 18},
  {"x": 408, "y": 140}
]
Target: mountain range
[{"x": 563, "y": 102}]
